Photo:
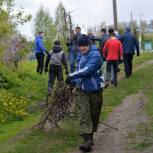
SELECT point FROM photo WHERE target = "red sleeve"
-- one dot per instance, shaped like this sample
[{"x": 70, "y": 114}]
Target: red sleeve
[{"x": 104, "y": 49}]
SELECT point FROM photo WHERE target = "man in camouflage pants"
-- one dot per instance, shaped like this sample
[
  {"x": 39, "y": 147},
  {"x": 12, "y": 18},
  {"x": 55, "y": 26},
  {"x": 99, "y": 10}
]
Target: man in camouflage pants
[{"x": 88, "y": 80}]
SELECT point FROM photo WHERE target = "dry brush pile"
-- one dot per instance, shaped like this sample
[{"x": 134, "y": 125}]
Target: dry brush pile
[{"x": 59, "y": 105}]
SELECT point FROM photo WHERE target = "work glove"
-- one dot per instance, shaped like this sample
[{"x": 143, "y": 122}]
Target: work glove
[
  {"x": 68, "y": 80},
  {"x": 66, "y": 72}
]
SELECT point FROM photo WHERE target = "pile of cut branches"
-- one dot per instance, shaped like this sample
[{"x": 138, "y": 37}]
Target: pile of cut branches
[{"x": 59, "y": 105}]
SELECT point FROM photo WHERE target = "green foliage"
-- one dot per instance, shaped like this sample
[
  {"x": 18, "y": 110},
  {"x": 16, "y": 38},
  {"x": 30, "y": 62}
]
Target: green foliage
[
  {"x": 26, "y": 83},
  {"x": 63, "y": 25},
  {"x": 17, "y": 16},
  {"x": 10, "y": 17},
  {"x": 43, "y": 22},
  {"x": 123, "y": 25},
  {"x": 147, "y": 37},
  {"x": 11, "y": 107},
  {"x": 5, "y": 26},
  {"x": 22, "y": 53}
]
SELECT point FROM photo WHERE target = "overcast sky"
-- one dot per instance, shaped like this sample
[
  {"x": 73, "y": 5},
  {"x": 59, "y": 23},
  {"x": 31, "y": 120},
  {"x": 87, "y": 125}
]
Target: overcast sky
[{"x": 89, "y": 12}]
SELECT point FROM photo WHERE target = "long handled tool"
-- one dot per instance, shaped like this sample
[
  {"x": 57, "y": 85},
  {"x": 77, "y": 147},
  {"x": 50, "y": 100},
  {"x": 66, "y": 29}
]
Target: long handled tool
[{"x": 116, "y": 129}]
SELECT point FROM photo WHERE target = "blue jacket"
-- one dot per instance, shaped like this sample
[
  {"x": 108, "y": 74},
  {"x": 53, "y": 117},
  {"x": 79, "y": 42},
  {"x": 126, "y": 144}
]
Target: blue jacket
[
  {"x": 39, "y": 45},
  {"x": 88, "y": 76},
  {"x": 129, "y": 43},
  {"x": 93, "y": 47}
]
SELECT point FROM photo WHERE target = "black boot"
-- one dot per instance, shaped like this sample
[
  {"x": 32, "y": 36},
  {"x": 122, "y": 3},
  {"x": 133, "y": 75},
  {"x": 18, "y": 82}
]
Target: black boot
[
  {"x": 49, "y": 92},
  {"x": 92, "y": 140},
  {"x": 86, "y": 147}
]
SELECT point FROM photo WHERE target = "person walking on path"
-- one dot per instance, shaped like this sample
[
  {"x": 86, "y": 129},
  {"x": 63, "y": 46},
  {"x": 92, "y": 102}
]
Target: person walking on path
[
  {"x": 56, "y": 59},
  {"x": 89, "y": 82},
  {"x": 40, "y": 51},
  {"x": 112, "y": 51},
  {"x": 129, "y": 43},
  {"x": 102, "y": 40}
]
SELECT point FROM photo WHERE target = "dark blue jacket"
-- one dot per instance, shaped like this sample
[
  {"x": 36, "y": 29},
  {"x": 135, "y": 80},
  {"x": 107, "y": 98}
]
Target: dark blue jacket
[
  {"x": 39, "y": 45},
  {"x": 129, "y": 43},
  {"x": 88, "y": 76}
]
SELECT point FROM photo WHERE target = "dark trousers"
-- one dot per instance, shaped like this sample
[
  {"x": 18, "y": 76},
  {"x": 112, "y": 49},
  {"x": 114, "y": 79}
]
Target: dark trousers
[
  {"x": 40, "y": 59},
  {"x": 55, "y": 71},
  {"x": 128, "y": 58},
  {"x": 96, "y": 102},
  {"x": 112, "y": 65}
]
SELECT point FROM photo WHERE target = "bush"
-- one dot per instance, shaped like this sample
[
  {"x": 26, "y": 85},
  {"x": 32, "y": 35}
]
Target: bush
[
  {"x": 20, "y": 91},
  {"x": 12, "y": 107}
]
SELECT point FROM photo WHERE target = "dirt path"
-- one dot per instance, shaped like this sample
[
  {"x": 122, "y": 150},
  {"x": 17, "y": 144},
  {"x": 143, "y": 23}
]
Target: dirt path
[
  {"x": 143, "y": 65},
  {"x": 125, "y": 117},
  {"x": 121, "y": 75}
]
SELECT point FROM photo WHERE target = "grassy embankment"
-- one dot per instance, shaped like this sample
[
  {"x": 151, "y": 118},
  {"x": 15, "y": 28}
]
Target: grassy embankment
[{"x": 61, "y": 141}]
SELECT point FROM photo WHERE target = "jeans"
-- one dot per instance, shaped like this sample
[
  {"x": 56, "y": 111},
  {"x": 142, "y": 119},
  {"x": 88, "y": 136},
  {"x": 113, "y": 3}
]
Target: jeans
[{"x": 111, "y": 68}]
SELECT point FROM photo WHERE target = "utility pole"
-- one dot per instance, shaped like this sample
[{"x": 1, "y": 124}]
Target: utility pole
[
  {"x": 115, "y": 15},
  {"x": 132, "y": 29},
  {"x": 140, "y": 35}
]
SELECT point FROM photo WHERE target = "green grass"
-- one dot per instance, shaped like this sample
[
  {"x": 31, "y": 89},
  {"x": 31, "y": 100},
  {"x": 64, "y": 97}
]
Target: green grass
[
  {"x": 142, "y": 58},
  {"x": 61, "y": 141},
  {"x": 24, "y": 81},
  {"x": 7, "y": 131},
  {"x": 57, "y": 141}
]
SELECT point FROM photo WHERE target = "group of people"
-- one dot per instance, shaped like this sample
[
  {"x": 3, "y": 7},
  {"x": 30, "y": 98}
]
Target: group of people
[{"x": 86, "y": 74}]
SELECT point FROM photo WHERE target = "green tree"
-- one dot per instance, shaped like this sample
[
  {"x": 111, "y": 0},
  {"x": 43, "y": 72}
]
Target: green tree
[
  {"x": 44, "y": 22},
  {"x": 63, "y": 24},
  {"x": 6, "y": 27},
  {"x": 10, "y": 17},
  {"x": 17, "y": 16}
]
